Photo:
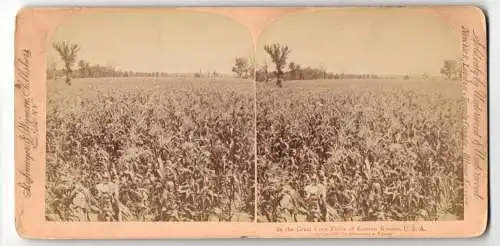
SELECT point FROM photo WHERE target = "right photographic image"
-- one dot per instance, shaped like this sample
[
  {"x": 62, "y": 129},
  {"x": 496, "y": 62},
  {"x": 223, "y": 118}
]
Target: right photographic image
[{"x": 359, "y": 117}]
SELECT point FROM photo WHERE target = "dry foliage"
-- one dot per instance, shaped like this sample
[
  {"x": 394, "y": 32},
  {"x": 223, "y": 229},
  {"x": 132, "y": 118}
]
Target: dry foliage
[
  {"x": 360, "y": 151},
  {"x": 177, "y": 151}
]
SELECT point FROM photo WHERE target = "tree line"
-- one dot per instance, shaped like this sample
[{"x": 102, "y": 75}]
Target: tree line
[
  {"x": 86, "y": 70},
  {"x": 83, "y": 69},
  {"x": 278, "y": 53},
  {"x": 243, "y": 68}
]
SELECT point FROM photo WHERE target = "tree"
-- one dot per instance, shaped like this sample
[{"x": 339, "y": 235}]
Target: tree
[
  {"x": 251, "y": 67},
  {"x": 84, "y": 68},
  {"x": 240, "y": 67},
  {"x": 68, "y": 52},
  {"x": 213, "y": 75},
  {"x": 293, "y": 70},
  {"x": 52, "y": 70},
  {"x": 322, "y": 72},
  {"x": 450, "y": 69},
  {"x": 299, "y": 72},
  {"x": 81, "y": 65},
  {"x": 278, "y": 54},
  {"x": 262, "y": 74},
  {"x": 96, "y": 71},
  {"x": 88, "y": 70}
]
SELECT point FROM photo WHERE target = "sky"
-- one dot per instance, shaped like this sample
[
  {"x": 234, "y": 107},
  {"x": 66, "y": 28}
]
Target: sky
[
  {"x": 393, "y": 41},
  {"x": 172, "y": 42}
]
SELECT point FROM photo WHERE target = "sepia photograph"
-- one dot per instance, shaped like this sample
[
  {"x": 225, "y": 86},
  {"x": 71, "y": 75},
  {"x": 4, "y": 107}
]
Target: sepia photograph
[
  {"x": 359, "y": 117},
  {"x": 150, "y": 117},
  {"x": 251, "y": 122}
]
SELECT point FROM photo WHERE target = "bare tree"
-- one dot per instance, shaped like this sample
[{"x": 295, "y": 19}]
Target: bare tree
[
  {"x": 278, "y": 53},
  {"x": 68, "y": 52}
]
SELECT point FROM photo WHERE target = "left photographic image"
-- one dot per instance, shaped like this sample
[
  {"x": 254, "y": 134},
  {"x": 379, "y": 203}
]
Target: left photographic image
[{"x": 150, "y": 117}]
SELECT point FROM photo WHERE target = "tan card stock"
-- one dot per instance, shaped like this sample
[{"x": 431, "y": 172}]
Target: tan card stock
[{"x": 225, "y": 122}]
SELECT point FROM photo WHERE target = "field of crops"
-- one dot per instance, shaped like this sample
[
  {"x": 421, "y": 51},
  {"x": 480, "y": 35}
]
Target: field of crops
[
  {"x": 173, "y": 149},
  {"x": 359, "y": 151},
  {"x": 146, "y": 149}
]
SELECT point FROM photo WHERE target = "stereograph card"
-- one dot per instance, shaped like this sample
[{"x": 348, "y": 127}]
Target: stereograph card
[{"x": 261, "y": 122}]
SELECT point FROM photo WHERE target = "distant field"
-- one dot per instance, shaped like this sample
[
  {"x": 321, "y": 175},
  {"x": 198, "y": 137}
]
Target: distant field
[
  {"x": 336, "y": 86},
  {"x": 145, "y": 83},
  {"x": 359, "y": 150},
  {"x": 175, "y": 149}
]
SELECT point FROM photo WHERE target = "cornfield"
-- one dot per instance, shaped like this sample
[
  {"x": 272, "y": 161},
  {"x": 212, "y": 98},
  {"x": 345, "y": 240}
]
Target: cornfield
[
  {"x": 184, "y": 150},
  {"x": 148, "y": 150},
  {"x": 360, "y": 151}
]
